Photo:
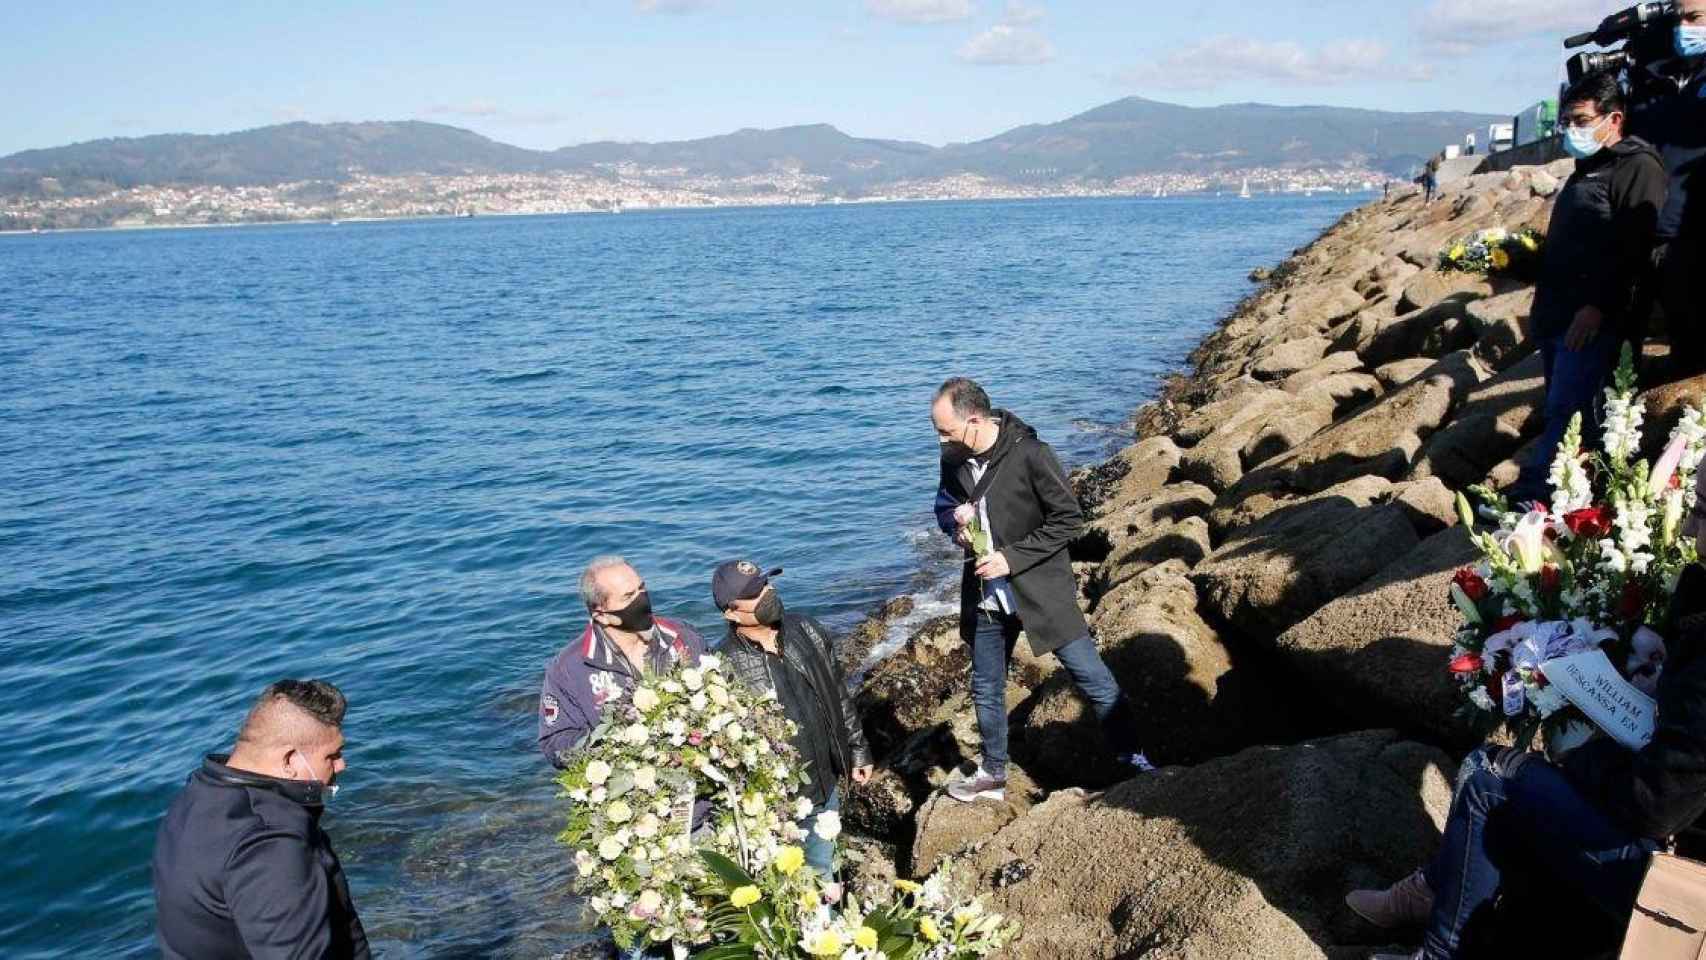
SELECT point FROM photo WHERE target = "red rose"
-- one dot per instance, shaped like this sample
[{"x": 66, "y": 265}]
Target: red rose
[
  {"x": 1471, "y": 584},
  {"x": 1467, "y": 663},
  {"x": 1633, "y": 603},
  {"x": 1590, "y": 524},
  {"x": 1506, "y": 622},
  {"x": 1551, "y": 579}
]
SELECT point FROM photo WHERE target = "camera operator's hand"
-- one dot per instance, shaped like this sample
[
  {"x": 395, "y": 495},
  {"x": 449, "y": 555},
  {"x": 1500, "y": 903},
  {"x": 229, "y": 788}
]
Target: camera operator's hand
[{"x": 1586, "y": 326}]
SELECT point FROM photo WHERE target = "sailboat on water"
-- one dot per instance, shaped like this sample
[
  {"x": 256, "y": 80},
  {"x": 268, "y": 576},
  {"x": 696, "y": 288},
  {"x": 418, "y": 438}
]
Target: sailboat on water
[{"x": 1244, "y": 194}]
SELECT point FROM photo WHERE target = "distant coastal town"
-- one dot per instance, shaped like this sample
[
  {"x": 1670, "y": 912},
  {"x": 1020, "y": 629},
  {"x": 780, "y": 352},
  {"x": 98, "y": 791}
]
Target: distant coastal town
[{"x": 613, "y": 189}]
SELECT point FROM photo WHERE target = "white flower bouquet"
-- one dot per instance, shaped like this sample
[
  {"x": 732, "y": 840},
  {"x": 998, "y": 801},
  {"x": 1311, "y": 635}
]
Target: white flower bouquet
[
  {"x": 1594, "y": 569},
  {"x": 685, "y": 737}
]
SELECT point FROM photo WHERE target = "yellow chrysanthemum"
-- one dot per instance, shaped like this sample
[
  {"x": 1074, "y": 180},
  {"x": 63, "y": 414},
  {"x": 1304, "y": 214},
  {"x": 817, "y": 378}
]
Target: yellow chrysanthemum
[
  {"x": 907, "y": 886},
  {"x": 927, "y": 927},
  {"x": 825, "y": 944},
  {"x": 1457, "y": 252},
  {"x": 1501, "y": 259},
  {"x": 744, "y": 897},
  {"x": 789, "y": 860},
  {"x": 865, "y": 939},
  {"x": 809, "y": 900}
]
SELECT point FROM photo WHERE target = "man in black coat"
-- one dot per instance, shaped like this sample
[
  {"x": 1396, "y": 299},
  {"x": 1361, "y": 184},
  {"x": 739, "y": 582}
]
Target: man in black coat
[
  {"x": 791, "y": 654},
  {"x": 1599, "y": 249},
  {"x": 241, "y": 866},
  {"x": 1004, "y": 497}
]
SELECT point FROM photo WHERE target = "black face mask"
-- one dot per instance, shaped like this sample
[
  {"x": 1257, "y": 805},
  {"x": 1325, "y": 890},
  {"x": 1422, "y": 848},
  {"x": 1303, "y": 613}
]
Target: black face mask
[
  {"x": 769, "y": 610},
  {"x": 636, "y": 617},
  {"x": 955, "y": 453}
]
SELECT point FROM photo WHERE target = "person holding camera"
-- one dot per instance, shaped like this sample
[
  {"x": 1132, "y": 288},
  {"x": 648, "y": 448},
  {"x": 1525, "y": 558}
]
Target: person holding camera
[
  {"x": 1598, "y": 246},
  {"x": 1672, "y": 116}
]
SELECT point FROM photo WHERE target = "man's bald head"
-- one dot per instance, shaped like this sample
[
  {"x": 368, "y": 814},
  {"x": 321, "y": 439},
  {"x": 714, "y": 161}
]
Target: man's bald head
[{"x": 294, "y": 731}]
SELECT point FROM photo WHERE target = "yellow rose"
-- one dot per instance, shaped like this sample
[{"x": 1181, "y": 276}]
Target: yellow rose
[
  {"x": 927, "y": 927},
  {"x": 790, "y": 859},
  {"x": 744, "y": 897},
  {"x": 825, "y": 944},
  {"x": 865, "y": 939}
]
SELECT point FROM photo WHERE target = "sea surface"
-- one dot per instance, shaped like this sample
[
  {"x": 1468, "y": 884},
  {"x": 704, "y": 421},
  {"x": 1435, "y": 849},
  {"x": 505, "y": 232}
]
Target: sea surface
[{"x": 379, "y": 453}]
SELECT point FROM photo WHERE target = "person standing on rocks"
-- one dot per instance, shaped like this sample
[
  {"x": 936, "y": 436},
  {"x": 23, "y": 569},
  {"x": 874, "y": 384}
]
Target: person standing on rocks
[
  {"x": 242, "y": 867},
  {"x": 789, "y": 654},
  {"x": 622, "y": 641},
  {"x": 1004, "y": 498},
  {"x": 1599, "y": 248}
]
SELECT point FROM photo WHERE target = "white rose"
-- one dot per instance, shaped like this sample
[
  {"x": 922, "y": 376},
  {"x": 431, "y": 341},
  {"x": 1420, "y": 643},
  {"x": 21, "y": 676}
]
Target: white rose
[
  {"x": 636, "y": 735},
  {"x": 610, "y": 848},
  {"x": 596, "y": 796},
  {"x": 802, "y": 808},
  {"x": 670, "y": 686},
  {"x": 646, "y": 699},
  {"x": 585, "y": 863},
  {"x": 618, "y": 812},
  {"x": 597, "y": 772},
  {"x": 828, "y": 825},
  {"x": 578, "y": 795},
  {"x": 735, "y": 732},
  {"x": 719, "y": 696},
  {"x": 710, "y": 663},
  {"x": 646, "y": 778},
  {"x": 646, "y": 827},
  {"x": 697, "y": 702},
  {"x": 692, "y": 679},
  {"x": 600, "y": 905}
]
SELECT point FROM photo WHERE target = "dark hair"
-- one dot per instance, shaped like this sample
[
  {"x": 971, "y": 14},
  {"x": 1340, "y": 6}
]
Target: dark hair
[
  {"x": 967, "y": 398},
  {"x": 1600, "y": 89},
  {"x": 317, "y": 698}
]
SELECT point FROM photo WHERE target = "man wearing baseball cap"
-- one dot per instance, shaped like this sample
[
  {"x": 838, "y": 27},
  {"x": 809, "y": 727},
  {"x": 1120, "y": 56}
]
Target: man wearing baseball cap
[{"x": 770, "y": 649}]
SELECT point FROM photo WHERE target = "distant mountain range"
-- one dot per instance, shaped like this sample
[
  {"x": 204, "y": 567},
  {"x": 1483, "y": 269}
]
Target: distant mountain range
[{"x": 1128, "y": 137}]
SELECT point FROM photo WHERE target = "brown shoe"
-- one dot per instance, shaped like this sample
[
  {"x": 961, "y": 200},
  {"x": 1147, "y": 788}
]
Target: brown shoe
[{"x": 1406, "y": 903}]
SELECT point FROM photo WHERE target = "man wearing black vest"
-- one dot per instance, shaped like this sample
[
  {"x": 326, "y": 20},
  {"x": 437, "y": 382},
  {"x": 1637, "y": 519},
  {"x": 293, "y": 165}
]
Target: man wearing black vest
[
  {"x": 1599, "y": 248},
  {"x": 1004, "y": 498}
]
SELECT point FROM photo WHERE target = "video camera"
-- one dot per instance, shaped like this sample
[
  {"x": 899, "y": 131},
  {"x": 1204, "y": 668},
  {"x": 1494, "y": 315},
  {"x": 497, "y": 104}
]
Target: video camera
[{"x": 1643, "y": 31}]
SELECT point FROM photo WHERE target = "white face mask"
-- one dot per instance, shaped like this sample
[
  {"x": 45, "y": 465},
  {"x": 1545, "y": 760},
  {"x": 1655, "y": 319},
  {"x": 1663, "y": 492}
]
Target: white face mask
[{"x": 328, "y": 790}]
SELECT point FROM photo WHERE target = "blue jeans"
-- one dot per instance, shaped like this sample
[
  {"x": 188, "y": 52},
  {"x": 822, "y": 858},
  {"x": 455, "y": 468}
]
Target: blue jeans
[
  {"x": 1574, "y": 382},
  {"x": 820, "y": 853},
  {"x": 992, "y": 648},
  {"x": 1534, "y": 823}
]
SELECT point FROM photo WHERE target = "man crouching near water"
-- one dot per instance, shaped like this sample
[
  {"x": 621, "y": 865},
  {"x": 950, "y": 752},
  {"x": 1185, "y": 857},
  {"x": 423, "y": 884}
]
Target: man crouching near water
[
  {"x": 241, "y": 866},
  {"x": 790, "y": 654},
  {"x": 1004, "y": 497},
  {"x": 622, "y": 641}
]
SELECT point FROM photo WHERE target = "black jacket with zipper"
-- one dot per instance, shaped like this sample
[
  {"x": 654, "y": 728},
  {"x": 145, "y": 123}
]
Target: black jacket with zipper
[
  {"x": 1599, "y": 243},
  {"x": 1660, "y": 789},
  {"x": 1034, "y": 517},
  {"x": 242, "y": 869},
  {"x": 808, "y": 650}
]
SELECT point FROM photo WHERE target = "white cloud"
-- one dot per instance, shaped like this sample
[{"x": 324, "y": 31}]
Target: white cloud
[
  {"x": 482, "y": 109},
  {"x": 1457, "y": 27},
  {"x": 1220, "y": 60},
  {"x": 1019, "y": 13},
  {"x": 670, "y": 6},
  {"x": 921, "y": 11},
  {"x": 1007, "y": 46}
]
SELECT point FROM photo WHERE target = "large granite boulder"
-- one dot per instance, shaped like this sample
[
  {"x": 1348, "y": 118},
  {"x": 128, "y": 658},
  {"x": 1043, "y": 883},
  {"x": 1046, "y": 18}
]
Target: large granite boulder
[
  {"x": 1433, "y": 333},
  {"x": 1263, "y": 424},
  {"x": 1288, "y": 358},
  {"x": 1380, "y": 650},
  {"x": 1345, "y": 393},
  {"x": 1490, "y": 425},
  {"x": 1501, "y": 338},
  {"x": 1381, "y": 439},
  {"x": 1268, "y": 575},
  {"x": 1333, "y": 364},
  {"x": 1665, "y": 404},
  {"x": 1190, "y": 699},
  {"x": 1148, "y": 466},
  {"x": 1245, "y": 856},
  {"x": 1432, "y": 286}
]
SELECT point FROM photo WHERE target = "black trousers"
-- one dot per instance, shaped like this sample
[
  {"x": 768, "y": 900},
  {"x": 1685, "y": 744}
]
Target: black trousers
[{"x": 1682, "y": 296}]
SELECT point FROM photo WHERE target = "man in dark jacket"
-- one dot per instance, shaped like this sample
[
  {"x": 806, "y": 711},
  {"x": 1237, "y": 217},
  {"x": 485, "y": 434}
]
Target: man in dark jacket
[
  {"x": 622, "y": 640},
  {"x": 1599, "y": 248},
  {"x": 1004, "y": 497},
  {"x": 241, "y": 865},
  {"x": 790, "y": 654}
]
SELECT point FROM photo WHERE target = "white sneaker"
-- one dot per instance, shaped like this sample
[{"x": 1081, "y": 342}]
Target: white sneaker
[{"x": 979, "y": 786}]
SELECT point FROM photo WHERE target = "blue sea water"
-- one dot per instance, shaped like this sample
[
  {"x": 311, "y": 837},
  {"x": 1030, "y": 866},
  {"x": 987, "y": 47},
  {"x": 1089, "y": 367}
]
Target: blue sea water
[{"x": 380, "y": 452}]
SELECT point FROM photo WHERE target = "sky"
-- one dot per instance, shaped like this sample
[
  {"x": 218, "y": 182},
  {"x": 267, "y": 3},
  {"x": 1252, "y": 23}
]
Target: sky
[{"x": 551, "y": 74}]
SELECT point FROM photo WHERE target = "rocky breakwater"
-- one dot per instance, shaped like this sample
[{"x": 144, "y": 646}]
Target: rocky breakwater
[{"x": 1266, "y": 572}]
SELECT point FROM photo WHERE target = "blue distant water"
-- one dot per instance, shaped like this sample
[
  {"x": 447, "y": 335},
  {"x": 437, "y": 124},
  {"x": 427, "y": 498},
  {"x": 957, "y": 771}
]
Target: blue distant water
[{"x": 380, "y": 452}]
